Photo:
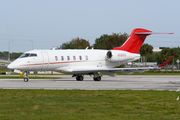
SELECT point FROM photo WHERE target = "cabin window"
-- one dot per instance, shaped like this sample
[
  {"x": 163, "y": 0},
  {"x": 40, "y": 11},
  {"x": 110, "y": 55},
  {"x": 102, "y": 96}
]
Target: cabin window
[
  {"x": 68, "y": 58},
  {"x": 62, "y": 58},
  {"x": 80, "y": 58},
  {"x": 56, "y": 58},
  {"x": 86, "y": 57},
  {"x": 74, "y": 57},
  {"x": 33, "y": 55}
]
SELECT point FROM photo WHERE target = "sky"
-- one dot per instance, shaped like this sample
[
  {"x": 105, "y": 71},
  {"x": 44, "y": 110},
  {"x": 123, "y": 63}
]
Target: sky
[{"x": 43, "y": 24}]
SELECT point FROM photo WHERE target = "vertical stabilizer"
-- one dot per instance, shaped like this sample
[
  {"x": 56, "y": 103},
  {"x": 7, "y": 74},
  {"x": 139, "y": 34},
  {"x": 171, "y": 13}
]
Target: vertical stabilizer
[{"x": 135, "y": 41}]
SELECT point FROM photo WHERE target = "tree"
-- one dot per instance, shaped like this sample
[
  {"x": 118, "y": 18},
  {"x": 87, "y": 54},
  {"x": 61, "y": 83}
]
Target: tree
[
  {"x": 145, "y": 50},
  {"x": 4, "y": 55},
  {"x": 173, "y": 52},
  {"x": 165, "y": 55},
  {"x": 99, "y": 41},
  {"x": 110, "y": 41},
  {"x": 153, "y": 57},
  {"x": 76, "y": 43},
  {"x": 15, "y": 55},
  {"x": 1, "y": 55}
]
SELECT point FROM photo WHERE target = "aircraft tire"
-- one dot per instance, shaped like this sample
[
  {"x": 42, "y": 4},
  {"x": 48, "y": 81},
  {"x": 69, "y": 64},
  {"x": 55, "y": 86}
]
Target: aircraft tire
[
  {"x": 79, "y": 78},
  {"x": 26, "y": 79},
  {"x": 97, "y": 78}
]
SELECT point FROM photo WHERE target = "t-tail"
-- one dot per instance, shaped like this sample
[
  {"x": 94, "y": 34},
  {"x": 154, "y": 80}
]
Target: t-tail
[{"x": 136, "y": 39}]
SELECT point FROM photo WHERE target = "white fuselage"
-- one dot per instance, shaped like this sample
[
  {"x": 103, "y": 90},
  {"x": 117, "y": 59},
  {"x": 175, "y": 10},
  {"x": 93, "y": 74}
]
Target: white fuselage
[{"x": 68, "y": 60}]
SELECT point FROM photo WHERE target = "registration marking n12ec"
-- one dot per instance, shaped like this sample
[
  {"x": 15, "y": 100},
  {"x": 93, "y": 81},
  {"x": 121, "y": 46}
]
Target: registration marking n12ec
[{"x": 122, "y": 55}]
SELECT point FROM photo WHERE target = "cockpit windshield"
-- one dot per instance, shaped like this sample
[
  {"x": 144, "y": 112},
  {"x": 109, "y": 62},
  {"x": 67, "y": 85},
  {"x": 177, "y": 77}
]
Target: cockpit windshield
[
  {"x": 33, "y": 55},
  {"x": 28, "y": 55}
]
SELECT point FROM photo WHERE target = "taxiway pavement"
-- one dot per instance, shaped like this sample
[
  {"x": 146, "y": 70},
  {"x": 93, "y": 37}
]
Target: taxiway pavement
[{"x": 120, "y": 82}]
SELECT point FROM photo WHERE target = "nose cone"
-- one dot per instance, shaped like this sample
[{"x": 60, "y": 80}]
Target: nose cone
[{"x": 11, "y": 66}]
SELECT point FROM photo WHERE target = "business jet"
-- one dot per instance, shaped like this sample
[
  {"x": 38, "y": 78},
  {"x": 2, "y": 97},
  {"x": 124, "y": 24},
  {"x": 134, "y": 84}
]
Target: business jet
[{"x": 86, "y": 61}]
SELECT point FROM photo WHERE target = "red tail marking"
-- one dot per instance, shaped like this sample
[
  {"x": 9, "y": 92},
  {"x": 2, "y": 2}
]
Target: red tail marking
[
  {"x": 162, "y": 65},
  {"x": 135, "y": 41}
]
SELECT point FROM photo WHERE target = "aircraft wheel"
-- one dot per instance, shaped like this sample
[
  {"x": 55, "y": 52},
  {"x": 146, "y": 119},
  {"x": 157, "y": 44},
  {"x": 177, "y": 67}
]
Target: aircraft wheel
[
  {"x": 26, "y": 79},
  {"x": 97, "y": 78},
  {"x": 79, "y": 78}
]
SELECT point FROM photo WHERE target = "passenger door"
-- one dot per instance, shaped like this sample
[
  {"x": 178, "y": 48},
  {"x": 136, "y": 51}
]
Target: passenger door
[{"x": 45, "y": 60}]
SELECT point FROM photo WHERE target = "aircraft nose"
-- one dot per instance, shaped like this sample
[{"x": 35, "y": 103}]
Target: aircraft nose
[{"x": 10, "y": 66}]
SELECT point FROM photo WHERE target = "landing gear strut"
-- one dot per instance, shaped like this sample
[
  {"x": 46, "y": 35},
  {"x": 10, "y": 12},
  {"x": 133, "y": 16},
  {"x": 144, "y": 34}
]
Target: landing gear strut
[
  {"x": 26, "y": 79},
  {"x": 97, "y": 77}
]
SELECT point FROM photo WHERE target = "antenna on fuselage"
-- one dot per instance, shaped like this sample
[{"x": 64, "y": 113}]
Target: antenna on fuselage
[
  {"x": 56, "y": 48},
  {"x": 86, "y": 47}
]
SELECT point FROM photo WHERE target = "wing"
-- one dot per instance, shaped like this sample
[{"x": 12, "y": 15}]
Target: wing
[{"x": 111, "y": 71}]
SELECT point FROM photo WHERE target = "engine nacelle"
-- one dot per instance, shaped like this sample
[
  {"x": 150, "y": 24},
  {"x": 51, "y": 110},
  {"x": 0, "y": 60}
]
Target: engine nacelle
[{"x": 118, "y": 56}]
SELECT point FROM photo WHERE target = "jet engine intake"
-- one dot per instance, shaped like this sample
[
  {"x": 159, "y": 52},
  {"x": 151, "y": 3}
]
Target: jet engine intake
[
  {"x": 112, "y": 56},
  {"x": 109, "y": 55},
  {"x": 119, "y": 56}
]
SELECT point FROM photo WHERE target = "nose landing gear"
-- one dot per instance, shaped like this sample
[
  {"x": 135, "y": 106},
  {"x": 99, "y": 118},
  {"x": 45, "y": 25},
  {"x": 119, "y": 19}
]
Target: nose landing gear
[{"x": 26, "y": 79}]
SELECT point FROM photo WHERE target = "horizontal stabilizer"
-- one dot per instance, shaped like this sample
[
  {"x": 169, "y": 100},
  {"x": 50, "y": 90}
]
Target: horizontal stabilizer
[{"x": 148, "y": 33}]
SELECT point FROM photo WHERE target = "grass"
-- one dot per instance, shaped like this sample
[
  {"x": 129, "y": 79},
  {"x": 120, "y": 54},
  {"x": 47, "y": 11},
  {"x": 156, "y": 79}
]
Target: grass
[
  {"x": 4, "y": 62},
  {"x": 4, "y": 69},
  {"x": 89, "y": 104}
]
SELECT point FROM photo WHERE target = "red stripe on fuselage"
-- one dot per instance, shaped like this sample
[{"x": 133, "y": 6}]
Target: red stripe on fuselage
[{"x": 53, "y": 63}]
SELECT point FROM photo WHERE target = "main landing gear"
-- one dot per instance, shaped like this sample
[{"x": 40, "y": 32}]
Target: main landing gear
[
  {"x": 97, "y": 78},
  {"x": 80, "y": 77}
]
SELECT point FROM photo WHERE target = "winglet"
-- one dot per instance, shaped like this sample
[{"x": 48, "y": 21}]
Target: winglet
[{"x": 162, "y": 65}]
